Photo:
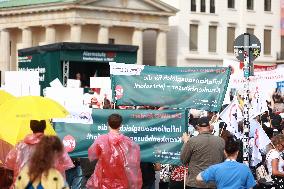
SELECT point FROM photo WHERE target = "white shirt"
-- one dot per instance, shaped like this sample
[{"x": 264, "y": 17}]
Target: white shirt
[{"x": 271, "y": 155}]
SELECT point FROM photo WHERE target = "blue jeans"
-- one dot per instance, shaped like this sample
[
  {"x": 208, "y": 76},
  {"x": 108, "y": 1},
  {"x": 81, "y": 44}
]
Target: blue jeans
[{"x": 74, "y": 177}]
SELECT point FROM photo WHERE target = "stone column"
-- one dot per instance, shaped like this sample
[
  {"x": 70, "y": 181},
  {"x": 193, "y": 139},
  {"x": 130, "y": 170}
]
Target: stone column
[
  {"x": 75, "y": 32},
  {"x": 137, "y": 39},
  {"x": 103, "y": 34},
  {"x": 49, "y": 34},
  {"x": 4, "y": 51},
  {"x": 26, "y": 37},
  {"x": 161, "y": 48}
]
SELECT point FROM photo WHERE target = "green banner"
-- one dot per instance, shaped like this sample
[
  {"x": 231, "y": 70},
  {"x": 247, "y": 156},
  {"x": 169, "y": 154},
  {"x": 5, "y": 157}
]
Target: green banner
[
  {"x": 157, "y": 132},
  {"x": 176, "y": 87}
]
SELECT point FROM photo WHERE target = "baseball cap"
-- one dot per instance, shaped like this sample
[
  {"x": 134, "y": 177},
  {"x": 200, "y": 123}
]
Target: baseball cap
[{"x": 203, "y": 122}]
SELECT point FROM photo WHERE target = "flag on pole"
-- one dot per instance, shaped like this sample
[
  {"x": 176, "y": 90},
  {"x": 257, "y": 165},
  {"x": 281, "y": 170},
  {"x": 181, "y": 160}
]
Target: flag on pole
[
  {"x": 231, "y": 115},
  {"x": 259, "y": 141},
  {"x": 258, "y": 104}
]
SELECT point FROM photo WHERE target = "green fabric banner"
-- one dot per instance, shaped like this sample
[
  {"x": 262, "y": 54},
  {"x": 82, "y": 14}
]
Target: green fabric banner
[
  {"x": 158, "y": 132},
  {"x": 176, "y": 87}
]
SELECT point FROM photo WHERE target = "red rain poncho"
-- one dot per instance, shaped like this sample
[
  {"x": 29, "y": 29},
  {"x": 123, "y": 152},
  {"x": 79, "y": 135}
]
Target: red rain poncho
[
  {"x": 21, "y": 154},
  {"x": 118, "y": 165}
]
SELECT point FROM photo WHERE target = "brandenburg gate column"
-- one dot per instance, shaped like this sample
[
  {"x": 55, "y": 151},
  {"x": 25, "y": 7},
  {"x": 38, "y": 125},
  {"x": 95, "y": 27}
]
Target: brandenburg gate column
[
  {"x": 4, "y": 51},
  {"x": 26, "y": 37},
  {"x": 49, "y": 34},
  {"x": 103, "y": 34},
  {"x": 137, "y": 39},
  {"x": 161, "y": 48},
  {"x": 76, "y": 32}
]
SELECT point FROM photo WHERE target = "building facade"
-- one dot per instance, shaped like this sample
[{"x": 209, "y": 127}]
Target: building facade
[
  {"x": 31, "y": 23},
  {"x": 203, "y": 31}
]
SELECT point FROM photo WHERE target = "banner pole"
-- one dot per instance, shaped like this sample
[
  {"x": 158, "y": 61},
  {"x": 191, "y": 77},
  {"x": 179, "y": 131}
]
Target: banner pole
[{"x": 246, "y": 70}]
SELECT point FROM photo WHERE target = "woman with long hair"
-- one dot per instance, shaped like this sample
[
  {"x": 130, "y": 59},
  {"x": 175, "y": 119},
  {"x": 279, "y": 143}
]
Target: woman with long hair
[
  {"x": 41, "y": 172},
  {"x": 274, "y": 161},
  {"x": 20, "y": 156}
]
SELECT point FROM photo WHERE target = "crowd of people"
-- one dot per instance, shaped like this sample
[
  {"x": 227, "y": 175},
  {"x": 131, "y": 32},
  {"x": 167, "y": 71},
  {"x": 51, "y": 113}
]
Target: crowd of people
[
  {"x": 39, "y": 161},
  {"x": 210, "y": 159}
]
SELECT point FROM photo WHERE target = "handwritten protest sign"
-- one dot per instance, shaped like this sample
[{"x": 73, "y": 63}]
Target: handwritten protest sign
[
  {"x": 197, "y": 87},
  {"x": 158, "y": 132}
]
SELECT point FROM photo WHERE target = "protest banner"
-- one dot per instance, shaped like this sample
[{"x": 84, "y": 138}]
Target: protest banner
[
  {"x": 265, "y": 78},
  {"x": 158, "y": 132},
  {"x": 201, "y": 88}
]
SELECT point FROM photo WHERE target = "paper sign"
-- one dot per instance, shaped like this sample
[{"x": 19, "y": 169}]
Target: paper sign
[
  {"x": 72, "y": 97},
  {"x": 27, "y": 83},
  {"x": 73, "y": 83},
  {"x": 125, "y": 69},
  {"x": 56, "y": 83},
  {"x": 100, "y": 82}
]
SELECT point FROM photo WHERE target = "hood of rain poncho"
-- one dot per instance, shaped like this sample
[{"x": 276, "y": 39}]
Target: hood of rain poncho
[{"x": 118, "y": 164}]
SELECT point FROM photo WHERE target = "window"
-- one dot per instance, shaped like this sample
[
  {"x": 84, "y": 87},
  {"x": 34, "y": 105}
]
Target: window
[
  {"x": 250, "y": 30},
  {"x": 267, "y": 42},
  {"x": 230, "y": 39},
  {"x": 111, "y": 41},
  {"x": 267, "y": 5},
  {"x": 212, "y": 6},
  {"x": 202, "y": 6},
  {"x": 231, "y": 4},
  {"x": 212, "y": 38},
  {"x": 193, "y": 5},
  {"x": 193, "y": 35},
  {"x": 249, "y": 4}
]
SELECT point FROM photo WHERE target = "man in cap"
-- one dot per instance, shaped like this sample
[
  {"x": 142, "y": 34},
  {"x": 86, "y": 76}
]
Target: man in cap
[{"x": 200, "y": 152}]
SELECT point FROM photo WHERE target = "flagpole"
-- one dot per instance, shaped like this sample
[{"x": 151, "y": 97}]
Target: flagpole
[{"x": 247, "y": 69}]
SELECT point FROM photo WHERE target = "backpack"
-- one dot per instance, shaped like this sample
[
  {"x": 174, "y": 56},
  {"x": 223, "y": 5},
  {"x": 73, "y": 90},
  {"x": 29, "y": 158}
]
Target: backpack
[{"x": 53, "y": 179}]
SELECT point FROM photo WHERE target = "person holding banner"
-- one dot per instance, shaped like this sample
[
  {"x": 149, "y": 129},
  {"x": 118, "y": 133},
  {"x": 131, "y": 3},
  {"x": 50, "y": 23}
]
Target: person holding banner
[
  {"x": 200, "y": 152},
  {"x": 118, "y": 165}
]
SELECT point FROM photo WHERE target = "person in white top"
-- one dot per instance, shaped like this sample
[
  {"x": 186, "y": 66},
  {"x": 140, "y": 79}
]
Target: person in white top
[{"x": 274, "y": 161}]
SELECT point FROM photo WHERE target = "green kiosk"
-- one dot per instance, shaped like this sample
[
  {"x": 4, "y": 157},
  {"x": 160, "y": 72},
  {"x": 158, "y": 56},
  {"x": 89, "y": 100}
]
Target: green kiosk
[{"x": 64, "y": 60}]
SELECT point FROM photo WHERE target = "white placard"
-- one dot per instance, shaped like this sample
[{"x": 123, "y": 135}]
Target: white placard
[
  {"x": 23, "y": 77},
  {"x": 22, "y": 83},
  {"x": 81, "y": 115},
  {"x": 67, "y": 97},
  {"x": 56, "y": 83},
  {"x": 73, "y": 83},
  {"x": 100, "y": 82},
  {"x": 15, "y": 90},
  {"x": 125, "y": 69},
  {"x": 104, "y": 83},
  {"x": 33, "y": 90}
]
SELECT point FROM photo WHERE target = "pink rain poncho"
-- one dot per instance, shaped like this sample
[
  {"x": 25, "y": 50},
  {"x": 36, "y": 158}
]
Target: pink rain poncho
[
  {"x": 118, "y": 165},
  {"x": 21, "y": 154}
]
